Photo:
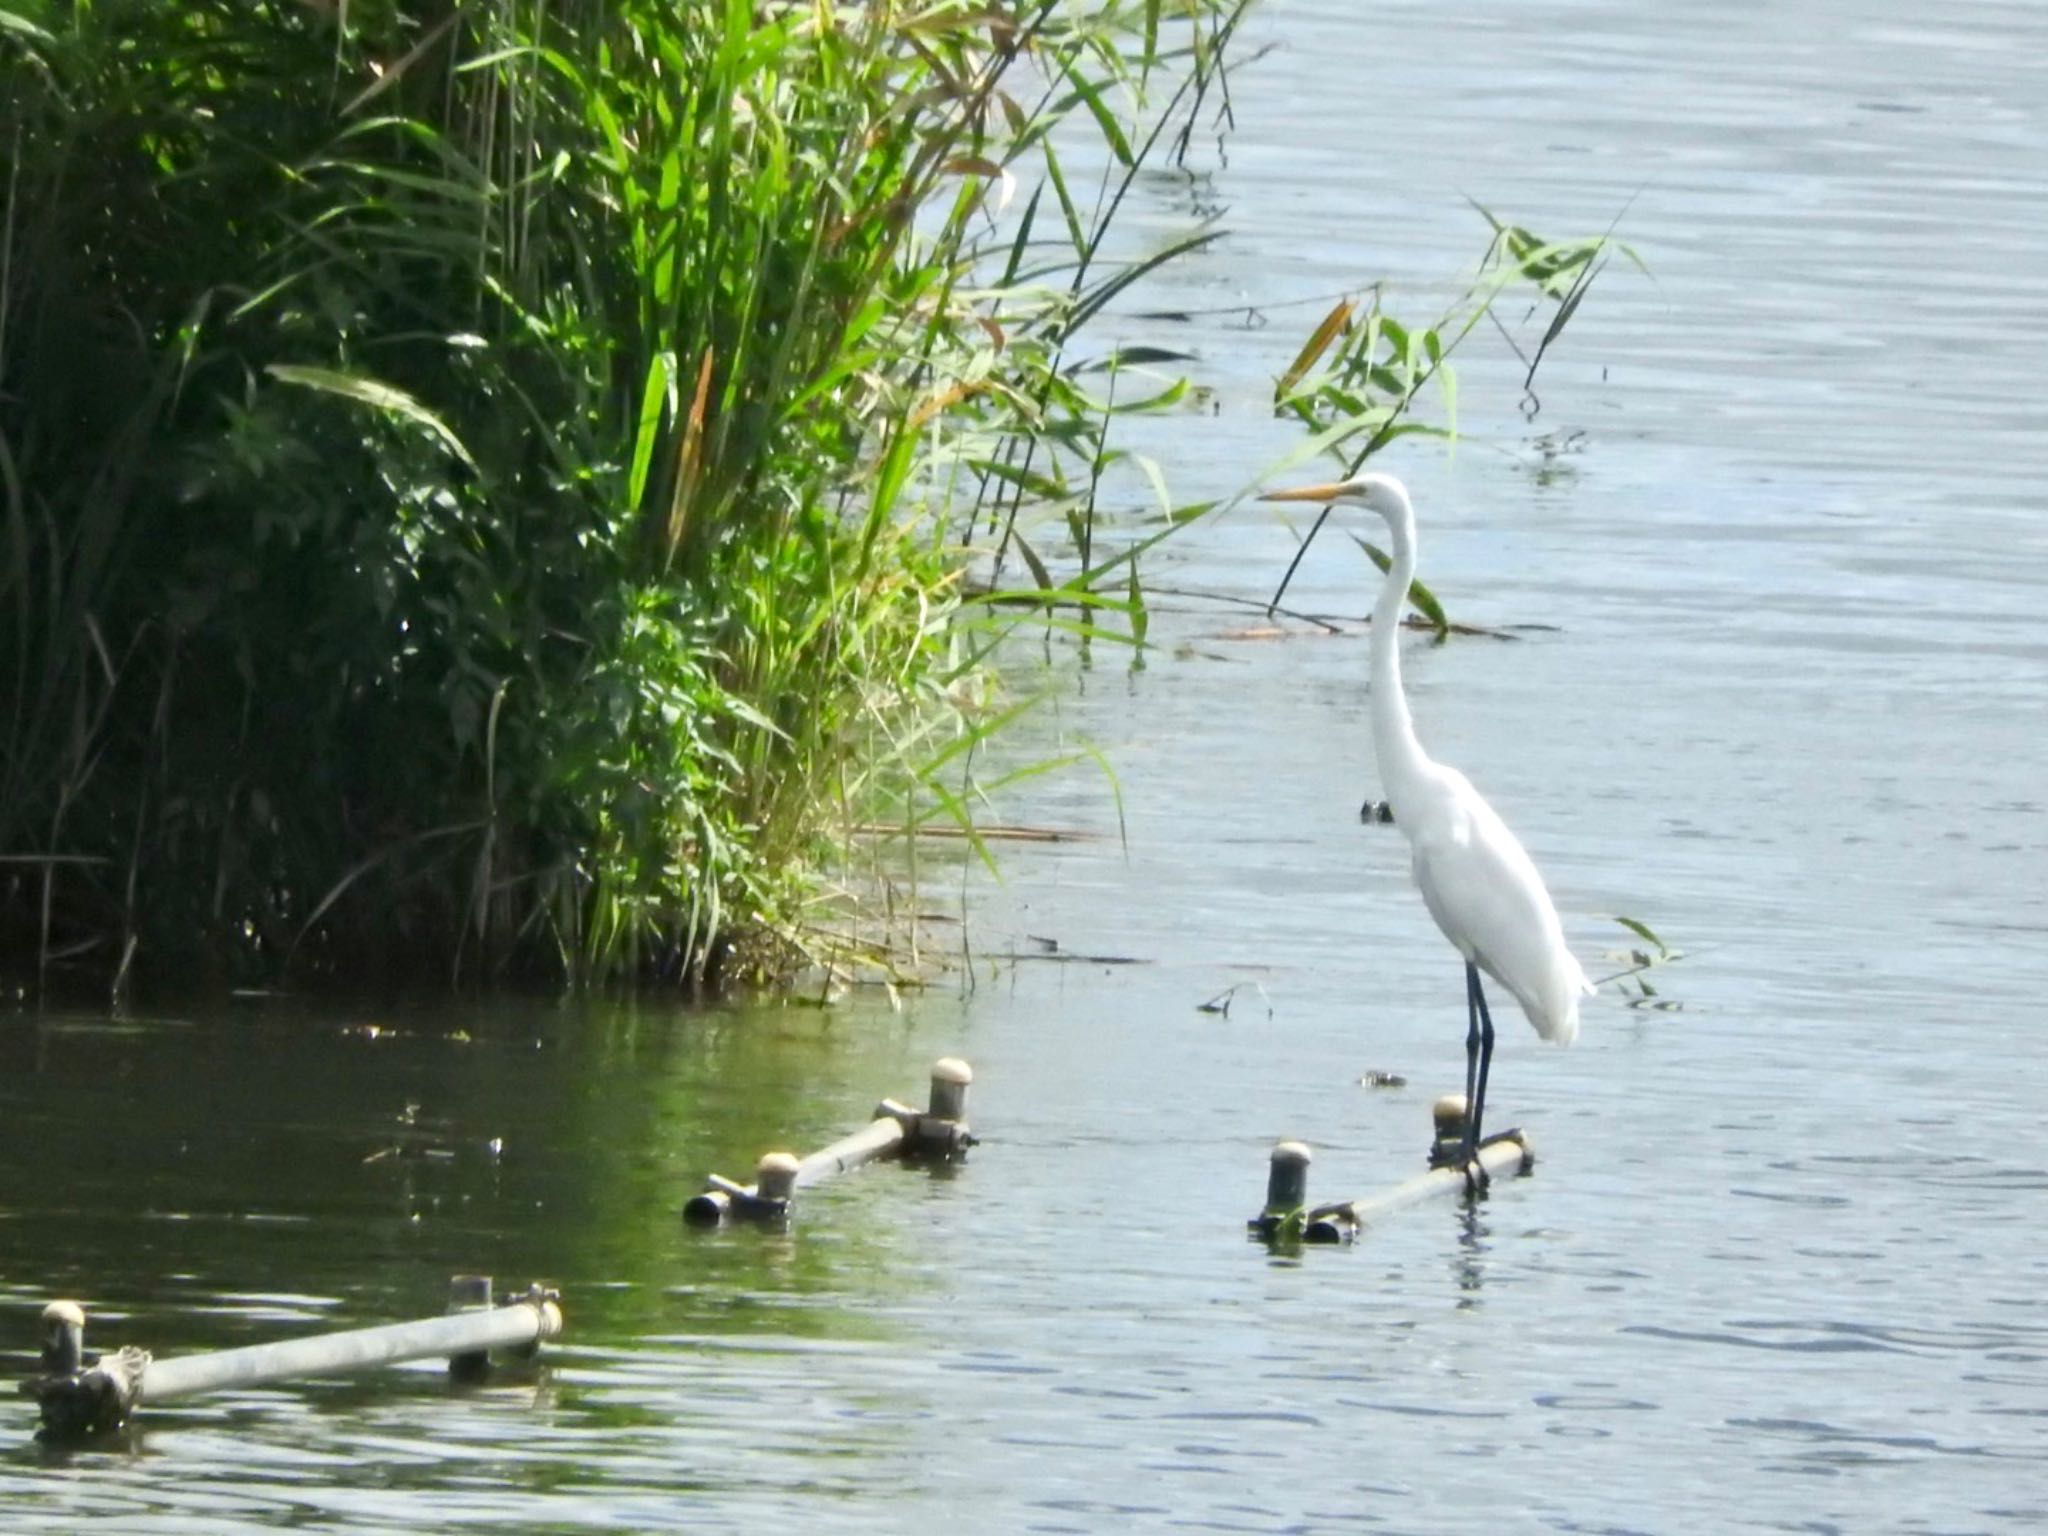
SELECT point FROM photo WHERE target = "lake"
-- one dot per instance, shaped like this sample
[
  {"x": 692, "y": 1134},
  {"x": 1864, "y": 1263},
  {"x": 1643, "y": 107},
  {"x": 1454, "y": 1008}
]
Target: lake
[{"x": 1778, "y": 1267}]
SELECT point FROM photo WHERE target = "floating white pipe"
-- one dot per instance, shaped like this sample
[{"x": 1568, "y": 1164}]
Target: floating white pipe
[
  {"x": 1334, "y": 1223},
  {"x": 940, "y": 1130},
  {"x": 526, "y": 1321}
]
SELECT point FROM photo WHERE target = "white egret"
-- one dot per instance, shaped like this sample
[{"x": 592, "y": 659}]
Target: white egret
[{"x": 1476, "y": 879}]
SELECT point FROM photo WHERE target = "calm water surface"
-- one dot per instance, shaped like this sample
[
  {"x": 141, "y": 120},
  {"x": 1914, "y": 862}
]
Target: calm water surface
[{"x": 1779, "y": 1268}]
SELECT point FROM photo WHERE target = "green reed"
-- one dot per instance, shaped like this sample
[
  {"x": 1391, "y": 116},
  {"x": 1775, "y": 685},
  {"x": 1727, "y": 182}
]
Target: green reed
[{"x": 483, "y": 485}]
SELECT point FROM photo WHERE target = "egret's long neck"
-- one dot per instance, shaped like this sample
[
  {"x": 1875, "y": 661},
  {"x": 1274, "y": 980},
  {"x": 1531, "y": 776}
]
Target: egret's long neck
[{"x": 1401, "y": 758}]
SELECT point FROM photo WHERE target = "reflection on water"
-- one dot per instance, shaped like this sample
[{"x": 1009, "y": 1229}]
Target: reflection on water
[{"x": 1777, "y": 1267}]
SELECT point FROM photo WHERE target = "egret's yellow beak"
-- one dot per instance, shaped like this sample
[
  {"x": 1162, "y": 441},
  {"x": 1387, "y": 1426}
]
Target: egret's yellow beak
[{"x": 1328, "y": 492}]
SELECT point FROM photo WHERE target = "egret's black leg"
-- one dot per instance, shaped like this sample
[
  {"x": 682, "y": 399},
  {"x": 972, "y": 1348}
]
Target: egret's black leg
[
  {"x": 1472, "y": 1079},
  {"x": 1478, "y": 1058},
  {"x": 1478, "y": 1102}
]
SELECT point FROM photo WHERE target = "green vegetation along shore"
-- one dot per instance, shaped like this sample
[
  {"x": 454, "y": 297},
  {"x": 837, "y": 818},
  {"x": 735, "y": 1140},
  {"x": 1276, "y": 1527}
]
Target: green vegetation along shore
[{"x": 481, "y": 484}]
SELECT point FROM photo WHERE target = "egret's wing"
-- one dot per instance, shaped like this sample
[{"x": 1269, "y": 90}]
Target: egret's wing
[{"x": 1484, "y": 892}]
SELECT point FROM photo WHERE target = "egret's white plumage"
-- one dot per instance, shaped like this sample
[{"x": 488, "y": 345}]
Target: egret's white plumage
[
  {"x": 1475, "y": 877},
  {"x": 1485, "y": 894}
]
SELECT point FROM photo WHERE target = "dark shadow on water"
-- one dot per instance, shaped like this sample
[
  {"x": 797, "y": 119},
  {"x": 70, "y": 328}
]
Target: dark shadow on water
[{"x": 1469, "y": 1259}]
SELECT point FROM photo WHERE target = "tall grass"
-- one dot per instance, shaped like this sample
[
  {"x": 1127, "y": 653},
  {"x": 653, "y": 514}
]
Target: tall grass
[{"x": 481, "y": 485}]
